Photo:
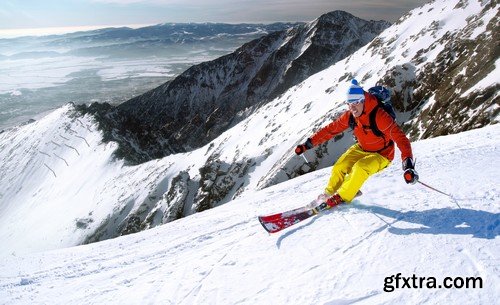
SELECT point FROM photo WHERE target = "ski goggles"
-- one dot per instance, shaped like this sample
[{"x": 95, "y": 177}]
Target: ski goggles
[{"x": 355, "y": 102}]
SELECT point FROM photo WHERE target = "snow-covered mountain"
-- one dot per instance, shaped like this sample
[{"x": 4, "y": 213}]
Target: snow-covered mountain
[
  {"x": 207, "y": 99},
  {"x": 59, "y": 176},
  {"x": 346, "y": 256}
]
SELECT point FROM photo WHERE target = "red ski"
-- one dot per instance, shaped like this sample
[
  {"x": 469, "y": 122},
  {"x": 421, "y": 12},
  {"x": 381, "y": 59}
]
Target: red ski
[{"x": 277, "y": 222}]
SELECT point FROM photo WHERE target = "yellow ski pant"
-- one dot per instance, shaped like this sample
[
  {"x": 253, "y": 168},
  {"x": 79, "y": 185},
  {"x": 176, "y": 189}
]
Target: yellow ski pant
[{"x": 352, "y": 169}]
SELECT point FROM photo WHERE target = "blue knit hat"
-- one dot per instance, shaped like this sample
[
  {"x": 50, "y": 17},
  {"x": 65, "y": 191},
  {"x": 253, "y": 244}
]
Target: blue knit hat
[{"x": 355, "y": 92}]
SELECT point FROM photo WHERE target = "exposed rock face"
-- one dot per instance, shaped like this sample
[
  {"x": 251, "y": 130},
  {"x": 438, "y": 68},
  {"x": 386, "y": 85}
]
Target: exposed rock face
[
  {"x": 458, "y": 68},
  {"x": 437, "y": 93}
]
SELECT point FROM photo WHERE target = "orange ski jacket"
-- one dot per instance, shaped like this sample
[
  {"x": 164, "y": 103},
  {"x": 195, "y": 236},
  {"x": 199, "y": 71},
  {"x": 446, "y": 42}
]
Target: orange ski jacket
[{"x": 367, "y": 140}]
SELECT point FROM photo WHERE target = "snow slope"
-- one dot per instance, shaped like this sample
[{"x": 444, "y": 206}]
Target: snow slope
[{"x": 223, "y": 255}]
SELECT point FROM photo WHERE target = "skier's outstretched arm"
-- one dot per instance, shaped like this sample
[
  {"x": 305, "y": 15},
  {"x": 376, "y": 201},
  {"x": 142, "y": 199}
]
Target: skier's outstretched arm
[{"x": 325, "y": 133}]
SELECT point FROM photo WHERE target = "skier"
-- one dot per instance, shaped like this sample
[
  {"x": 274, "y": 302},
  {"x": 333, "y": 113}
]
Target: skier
[{"x": 370, "y": 155}]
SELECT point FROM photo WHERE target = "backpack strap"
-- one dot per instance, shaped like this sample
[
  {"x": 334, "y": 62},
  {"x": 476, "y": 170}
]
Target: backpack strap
[
  {"x": 376, "y": 131},
  {"x": 373, "y": 122}
]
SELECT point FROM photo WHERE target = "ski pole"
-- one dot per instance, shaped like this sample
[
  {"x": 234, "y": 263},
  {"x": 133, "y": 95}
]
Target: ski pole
[
  {"x": 428, "y": 186},
  {"x": 436, "y": 190},
  {"x": 304, "y": 156}
]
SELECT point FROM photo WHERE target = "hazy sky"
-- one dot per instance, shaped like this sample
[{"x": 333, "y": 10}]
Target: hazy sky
[{"x": 29, "y": 14}]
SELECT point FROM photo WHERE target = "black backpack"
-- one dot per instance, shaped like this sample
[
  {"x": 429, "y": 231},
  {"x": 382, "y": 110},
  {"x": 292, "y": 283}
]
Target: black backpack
[{"x": 383, "y": 96}]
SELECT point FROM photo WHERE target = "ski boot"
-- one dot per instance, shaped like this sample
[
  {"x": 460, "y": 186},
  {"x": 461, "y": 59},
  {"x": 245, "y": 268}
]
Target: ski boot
[{"x": 333, "y": 201}]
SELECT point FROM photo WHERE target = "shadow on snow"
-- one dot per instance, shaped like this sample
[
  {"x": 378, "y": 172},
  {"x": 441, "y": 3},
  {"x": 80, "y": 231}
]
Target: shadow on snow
[{"x": 479, "y": 224}]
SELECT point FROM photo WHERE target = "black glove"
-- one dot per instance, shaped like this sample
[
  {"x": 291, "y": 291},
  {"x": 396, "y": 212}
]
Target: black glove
[
  {"x": 303, "y": 147},
  {"x": 410, "y": 174}
]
